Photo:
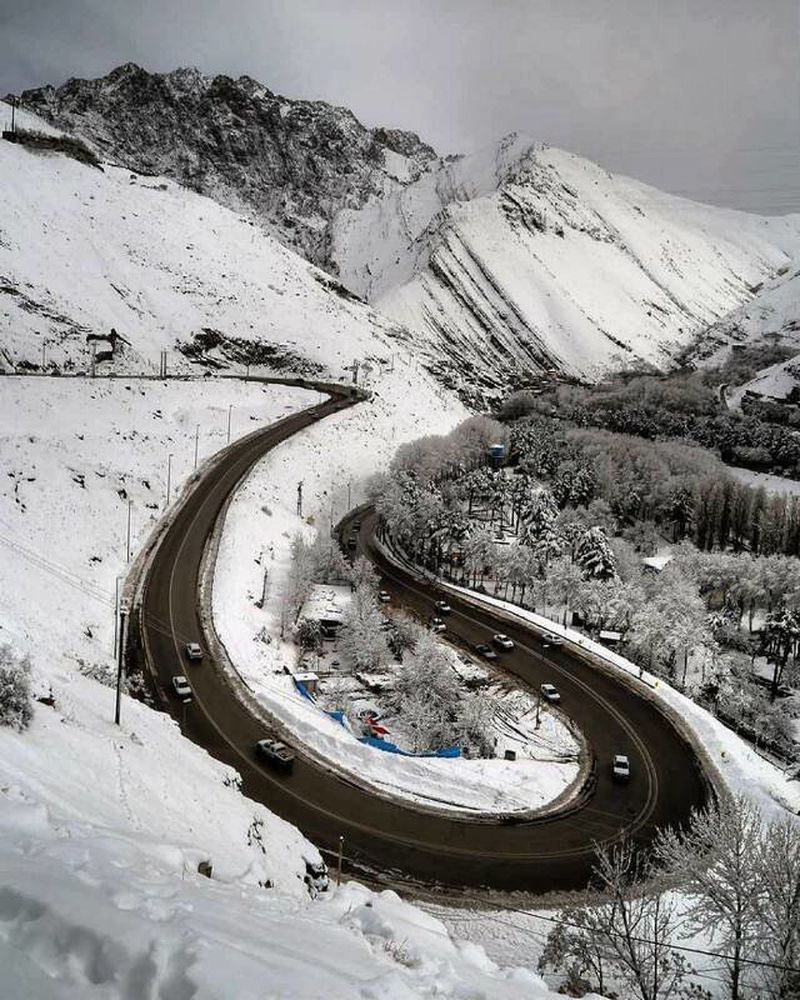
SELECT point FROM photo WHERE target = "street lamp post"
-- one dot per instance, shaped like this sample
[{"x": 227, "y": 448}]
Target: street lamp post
[
  {"x": 230, "y": 408},
  {"x": 169, "y": 475},
  {"x": 120, "y": 657},
  {"x": 196, "y": 443},
  {"x": 128, "y": 543}
]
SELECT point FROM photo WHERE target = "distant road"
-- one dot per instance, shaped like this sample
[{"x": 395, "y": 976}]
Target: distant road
[{"x": 399, "y": 840}]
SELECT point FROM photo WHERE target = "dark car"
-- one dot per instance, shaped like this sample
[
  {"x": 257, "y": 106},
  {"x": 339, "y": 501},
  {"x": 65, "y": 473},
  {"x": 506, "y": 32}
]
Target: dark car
[
  {"x": 442, "y": 608},
  {"x": 275, "y": 752},
  {"x": 485, "y": 650}
]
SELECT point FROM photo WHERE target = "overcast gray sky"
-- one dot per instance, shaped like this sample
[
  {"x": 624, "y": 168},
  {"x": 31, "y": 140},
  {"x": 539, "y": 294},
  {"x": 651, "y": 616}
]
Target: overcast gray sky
[{"x": 701, "y": 97}]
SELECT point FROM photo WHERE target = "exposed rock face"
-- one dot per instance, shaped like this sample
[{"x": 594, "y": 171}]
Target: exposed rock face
[{"x": 294, "y": 164}]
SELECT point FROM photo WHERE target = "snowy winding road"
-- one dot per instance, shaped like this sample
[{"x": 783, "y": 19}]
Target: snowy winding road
[{"x": 550, "y": 853}]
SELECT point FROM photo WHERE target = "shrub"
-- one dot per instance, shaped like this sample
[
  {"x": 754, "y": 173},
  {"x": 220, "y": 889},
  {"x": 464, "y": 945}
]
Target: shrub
[{"x": 16, "y": 702}]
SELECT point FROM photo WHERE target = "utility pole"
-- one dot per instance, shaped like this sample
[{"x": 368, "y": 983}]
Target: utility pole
[
  {"x": 196, "y": 443},
  {"x": 349, "y": 483},
  {"x": 120, "y": 657},
  {"x": 230, "y": 408},
  {"x": 94, "y": 356},
  {"x": 116, "y": 614},
  {"x": 538, "y": 706},
  {"x": 300, "y": 498},
  {"x": 339, "y": 864},
  {"x": 128, "y": 545},
  {"x": 169, "y": 475},
  {"x": 264, "y": 586},
  {"x": 13, "y": 114},
  {"x": 44, "y": 343}
]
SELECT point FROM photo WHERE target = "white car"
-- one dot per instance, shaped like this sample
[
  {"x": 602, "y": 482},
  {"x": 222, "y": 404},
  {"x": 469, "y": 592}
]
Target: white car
[
  {"x": 551, "y": 639},
  {"x": 384, "y": 596},
  {"x": 182, "y": 688},
  {"x": 621, "y": 768},
  {"x": 437, "y": 625},
  {"x": 194, "y": 650},
  {"x": 502, "y": 641},
  {"x": 275, "y": 752},
  {"x": 549, "y": 693}
]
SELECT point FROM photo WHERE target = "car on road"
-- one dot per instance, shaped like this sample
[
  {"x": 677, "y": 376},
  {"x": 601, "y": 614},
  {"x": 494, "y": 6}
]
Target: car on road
[
  {"x": 437, "y": 625},
  {"x": 442, "y": 608},
  {"x": 275, "y": 752},
  {"x": 551, "y": 639},
  {"x": 384, "y": 596},
  {"x": 621, "y": 768},
  {"x": 485, "y": 650},
  {"x": 502, "y": 641},
  {"x": 550, "y": 693},
  {"x": 182, "y": 688},
  {"x": 351, "y": 543},
  {"x": 194, "y": 651}
]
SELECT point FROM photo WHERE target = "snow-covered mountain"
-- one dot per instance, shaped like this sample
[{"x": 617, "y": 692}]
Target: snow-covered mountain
[
  {"x": 291, "y": 164},
  {"x": 504, "y": 263}
]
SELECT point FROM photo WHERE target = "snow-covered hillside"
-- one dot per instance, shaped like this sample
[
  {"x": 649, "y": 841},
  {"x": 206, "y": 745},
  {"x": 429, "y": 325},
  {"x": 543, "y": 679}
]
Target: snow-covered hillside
[
  {"x": 525, "y": 257},
  {"x": 771, "y": 316},
  {"x": 504, "y": 263}
]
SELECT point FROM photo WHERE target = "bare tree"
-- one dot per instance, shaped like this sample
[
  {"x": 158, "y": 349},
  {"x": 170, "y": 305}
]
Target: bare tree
[
  {"x": 715, "y": 861},
  {"x": 626, "y": 937},
  {"x": 778, "y": 863}
]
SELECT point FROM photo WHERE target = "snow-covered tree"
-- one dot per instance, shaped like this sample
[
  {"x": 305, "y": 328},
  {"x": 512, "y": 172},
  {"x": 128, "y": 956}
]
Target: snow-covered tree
[
  {"x": 595, "y": 556},
  {"x": 362, "y": 575},
  {"x": 361, "y": 637}
]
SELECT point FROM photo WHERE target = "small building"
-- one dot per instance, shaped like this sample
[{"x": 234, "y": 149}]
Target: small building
[
  {"x": 308, "y": 679},
  {"x": 609, "y": 636}
]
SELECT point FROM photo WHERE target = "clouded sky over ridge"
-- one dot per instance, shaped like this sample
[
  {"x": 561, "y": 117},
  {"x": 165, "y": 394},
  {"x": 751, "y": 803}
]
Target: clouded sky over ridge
[{"x": 701, "y": 97}]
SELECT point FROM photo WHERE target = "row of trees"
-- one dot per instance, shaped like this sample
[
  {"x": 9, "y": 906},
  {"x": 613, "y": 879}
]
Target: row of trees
[
  {"x": 682, "y": 488},
  {"x": 681, "y": 406},
  {"x": 740, "y": 883}
]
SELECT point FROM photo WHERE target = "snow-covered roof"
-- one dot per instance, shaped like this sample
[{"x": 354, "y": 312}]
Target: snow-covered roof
[{"x": 326, "y": 602}]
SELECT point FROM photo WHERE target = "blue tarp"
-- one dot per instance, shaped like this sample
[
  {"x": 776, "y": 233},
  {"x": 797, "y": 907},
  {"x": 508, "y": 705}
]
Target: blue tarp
[
  {"x": 373, "y": 741},
  {"x": 338, "y": 717},
  {"x": 304, "y": 691}
]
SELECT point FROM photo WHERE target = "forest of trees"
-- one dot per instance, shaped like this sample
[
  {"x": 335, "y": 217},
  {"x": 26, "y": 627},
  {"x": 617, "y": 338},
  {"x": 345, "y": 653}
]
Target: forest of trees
[
  {"x": 563, "y": 531},
  {"x": 683, "y": 406}
]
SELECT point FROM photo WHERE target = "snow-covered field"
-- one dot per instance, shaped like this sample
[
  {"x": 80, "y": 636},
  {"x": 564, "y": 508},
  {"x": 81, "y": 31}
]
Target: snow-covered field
[
  {"x": 73, "y": 452},
  {"x": 774, "y": 484}
]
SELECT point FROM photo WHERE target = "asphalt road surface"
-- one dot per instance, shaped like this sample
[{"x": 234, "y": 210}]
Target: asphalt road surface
[{"x": 380, "y": 836}]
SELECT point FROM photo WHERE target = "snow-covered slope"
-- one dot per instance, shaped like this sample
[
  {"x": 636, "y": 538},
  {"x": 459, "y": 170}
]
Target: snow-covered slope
[
  {"x": 505, "y": 263},
  {"x": 525, "y": 257},
  {"x": 771, "y": 316}
]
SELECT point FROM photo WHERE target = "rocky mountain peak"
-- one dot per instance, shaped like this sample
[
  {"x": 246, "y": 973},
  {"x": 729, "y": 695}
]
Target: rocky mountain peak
[{"x": 292, "y": 164}]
